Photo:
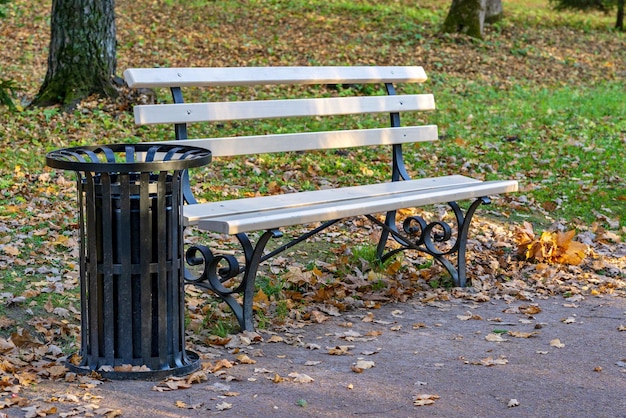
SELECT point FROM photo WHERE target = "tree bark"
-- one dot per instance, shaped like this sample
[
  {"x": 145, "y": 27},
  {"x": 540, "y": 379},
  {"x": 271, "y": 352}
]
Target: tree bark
[
  {"x": 493, "y": 11},
  {"x": 81, "y": 58},
  {"x": 466, "y": 16},
  {"x": 619, "y": 24}
]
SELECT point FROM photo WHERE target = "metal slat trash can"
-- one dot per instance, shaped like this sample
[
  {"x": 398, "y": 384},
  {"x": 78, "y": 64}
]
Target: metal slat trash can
[{"x": 131, "y": 258}]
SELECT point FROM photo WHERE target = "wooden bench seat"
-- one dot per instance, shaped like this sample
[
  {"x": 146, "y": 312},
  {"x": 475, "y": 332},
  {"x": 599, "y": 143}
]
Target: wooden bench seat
[
  {"x": 277, "y": 211},
  {"x": 318, "y": 209}
]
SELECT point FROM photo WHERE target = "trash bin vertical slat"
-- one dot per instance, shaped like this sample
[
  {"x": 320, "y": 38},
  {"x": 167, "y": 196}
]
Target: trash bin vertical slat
[
  {"x": 162, "y": 261},
  {"x": 106, "y": 264},
  {"x": 124, "y": 301},
  {"x": 177, "y": 325},
  {"x": 93, "y": 305},
  {"x": 83, "y": 261},
  {"x": 145, "y": 256}
]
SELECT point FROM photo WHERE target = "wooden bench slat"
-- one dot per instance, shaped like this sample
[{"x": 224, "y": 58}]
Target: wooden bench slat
[
  {"x": 267, "y": 109},
  {"x": 263, "y": 144},
  {"x": 370, "y": 204},
  {"x": 241, "y": 76},
  {"x": 193, "y": 213}
]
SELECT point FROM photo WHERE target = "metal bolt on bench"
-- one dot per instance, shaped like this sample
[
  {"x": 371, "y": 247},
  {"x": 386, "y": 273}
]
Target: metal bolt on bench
[{"x": 131, "y": 258}]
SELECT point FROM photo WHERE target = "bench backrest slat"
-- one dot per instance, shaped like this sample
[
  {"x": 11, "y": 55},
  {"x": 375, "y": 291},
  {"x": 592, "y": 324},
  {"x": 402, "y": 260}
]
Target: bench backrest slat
[
  {"x": 261, "y": 144},
  {"x": 203, "y": 77},
  {"x": 265, "y": 109}
]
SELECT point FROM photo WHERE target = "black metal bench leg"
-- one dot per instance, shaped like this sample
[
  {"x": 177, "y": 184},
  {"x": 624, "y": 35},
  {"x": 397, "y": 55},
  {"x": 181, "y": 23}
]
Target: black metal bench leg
[
  {"x": 220, "y": 268},
  {"x": 427, "y": 237},
  {"x": 463, "y": 223},
  {"x": 254, "y": 255}
]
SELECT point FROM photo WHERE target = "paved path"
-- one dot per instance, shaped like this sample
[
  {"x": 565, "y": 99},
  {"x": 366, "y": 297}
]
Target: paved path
[{"x": 447, "y": 349}]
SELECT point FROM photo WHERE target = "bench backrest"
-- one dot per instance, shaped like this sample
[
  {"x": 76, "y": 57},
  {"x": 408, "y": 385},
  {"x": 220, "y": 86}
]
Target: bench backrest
[{"x": 180, "y": 113}]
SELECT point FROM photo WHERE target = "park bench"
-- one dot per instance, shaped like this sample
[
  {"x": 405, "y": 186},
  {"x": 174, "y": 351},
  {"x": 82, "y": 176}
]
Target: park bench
[{"x": 339, "y": 91}]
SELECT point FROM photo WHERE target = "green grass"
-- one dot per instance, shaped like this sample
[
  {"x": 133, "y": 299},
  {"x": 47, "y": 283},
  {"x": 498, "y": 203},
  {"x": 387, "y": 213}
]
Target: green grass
[{"x": 565, "y": 145}]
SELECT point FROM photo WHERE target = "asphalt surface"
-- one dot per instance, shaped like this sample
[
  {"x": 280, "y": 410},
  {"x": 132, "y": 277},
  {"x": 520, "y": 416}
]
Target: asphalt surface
[{"x": 548, "y": 358}]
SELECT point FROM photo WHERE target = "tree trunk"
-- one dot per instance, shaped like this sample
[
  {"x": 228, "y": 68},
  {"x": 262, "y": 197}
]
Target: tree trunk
[
  {"x": 81, "y": 58},
  {"x": 619, "y": 24},
  {"x": 466, "y": 16},
  {"x": 493, "y": 11}
]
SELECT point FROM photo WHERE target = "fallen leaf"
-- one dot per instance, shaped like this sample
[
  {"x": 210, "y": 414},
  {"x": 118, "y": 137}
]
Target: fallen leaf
[
  {"x": 552, "y": 247},
  {"x": 244, "y": 359},
  {"x": 23, "y": 339},
  {"x": 369, "y": 317},
  {"x": 425, "y": 399},
  {"x": 6, "y": 345},
  {"x": 222, "y": 364},
  {"x": 197, "y": 377},
  {"x": 495, "y": 338},
  {"x": 468, "y": 315},
  {"x": 490, "y": 361},
  {"x": 361, "y": 365},
  {"x": 319, "y": 317},
  {"x": 530, "y": 309},
  {"x": 301, "y": 377},
  {"x": 557, "y": 343},
  {"x": 339, "y": 350},
  {"x": 520, "y": 334},
  {"x": 223, "y": 406},
  {"x": 11, "y": 250}
]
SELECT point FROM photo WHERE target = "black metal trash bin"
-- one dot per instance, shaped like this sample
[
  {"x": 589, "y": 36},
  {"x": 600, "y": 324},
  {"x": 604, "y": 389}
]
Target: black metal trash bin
[{"x": 131, "y": 258}]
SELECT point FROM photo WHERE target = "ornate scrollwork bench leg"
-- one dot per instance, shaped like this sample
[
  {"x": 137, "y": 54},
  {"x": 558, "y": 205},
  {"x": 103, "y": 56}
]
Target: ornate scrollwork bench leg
[
  {"x": 220, "y": 268},
  {"x": 425, "y": 237}
]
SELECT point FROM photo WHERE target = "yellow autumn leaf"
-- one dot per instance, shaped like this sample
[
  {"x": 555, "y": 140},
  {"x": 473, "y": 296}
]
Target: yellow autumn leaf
[
  {"x": 260, "y": 298},
  {"x": 222, "y": 364},
  {"x": 244, "y": 359},
  {"x": 60, "y": 240},
  {"x": 550, "y": 247}
]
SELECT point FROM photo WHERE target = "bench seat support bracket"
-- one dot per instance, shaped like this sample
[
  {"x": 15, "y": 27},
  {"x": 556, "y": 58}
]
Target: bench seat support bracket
[
  {"x": 221, "y": 268},
  {"x": 430, "y": 238}
]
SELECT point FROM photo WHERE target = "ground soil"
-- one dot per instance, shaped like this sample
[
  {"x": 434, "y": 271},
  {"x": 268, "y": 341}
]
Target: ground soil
[{"x": 443, "y": 349}]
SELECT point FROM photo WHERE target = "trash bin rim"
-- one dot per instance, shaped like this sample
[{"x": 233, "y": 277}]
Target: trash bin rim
[{"x": 81, "y": 158}]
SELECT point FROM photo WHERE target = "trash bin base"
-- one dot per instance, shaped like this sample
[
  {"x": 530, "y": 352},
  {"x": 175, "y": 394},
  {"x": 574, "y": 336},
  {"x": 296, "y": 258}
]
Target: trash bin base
[{"x": 192, "y": 366}]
